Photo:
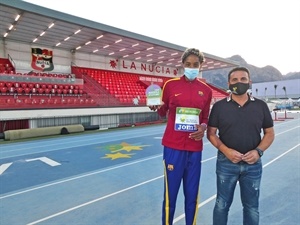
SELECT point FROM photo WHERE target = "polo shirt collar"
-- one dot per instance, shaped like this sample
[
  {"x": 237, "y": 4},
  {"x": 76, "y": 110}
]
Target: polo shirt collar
[{"x": 229, "y": 98}]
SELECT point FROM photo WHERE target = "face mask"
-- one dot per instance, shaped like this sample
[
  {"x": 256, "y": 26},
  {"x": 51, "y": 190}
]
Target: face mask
[
  {"x": 191, "y": 74},
  {"x": 239, "y": 88}
]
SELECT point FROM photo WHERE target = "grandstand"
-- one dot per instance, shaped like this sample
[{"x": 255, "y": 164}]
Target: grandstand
[{"x": 58, "y": 69}]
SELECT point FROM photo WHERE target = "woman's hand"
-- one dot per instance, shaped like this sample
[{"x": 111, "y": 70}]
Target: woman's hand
[
  {"x": 198, "y": 135},
  {"x": 155, "y": 107}
]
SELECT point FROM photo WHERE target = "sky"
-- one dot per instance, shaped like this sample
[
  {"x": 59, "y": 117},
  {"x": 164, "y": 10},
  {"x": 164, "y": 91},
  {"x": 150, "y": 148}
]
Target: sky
[{"x": 262, "y": 32}]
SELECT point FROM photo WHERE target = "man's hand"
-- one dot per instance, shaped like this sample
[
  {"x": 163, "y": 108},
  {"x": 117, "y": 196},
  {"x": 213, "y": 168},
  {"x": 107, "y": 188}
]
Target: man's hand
[
  {"x": 234, "y": 156},
  {"x": 251, "y": 157}
]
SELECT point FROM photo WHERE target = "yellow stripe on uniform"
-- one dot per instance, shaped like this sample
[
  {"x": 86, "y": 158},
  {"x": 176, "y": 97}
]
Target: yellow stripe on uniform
[
  {"x": 196, "y": 210},
  {"x": 167, "y": 206}
]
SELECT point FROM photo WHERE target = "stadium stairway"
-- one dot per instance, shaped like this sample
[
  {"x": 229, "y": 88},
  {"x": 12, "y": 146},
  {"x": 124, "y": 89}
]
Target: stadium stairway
[
  {"x": 6, "y": 67},
  {"x": 98, "y": 93}
]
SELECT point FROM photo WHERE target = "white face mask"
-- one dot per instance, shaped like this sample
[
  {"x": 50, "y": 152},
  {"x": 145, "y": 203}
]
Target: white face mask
[{"x": 191, "y": 73}]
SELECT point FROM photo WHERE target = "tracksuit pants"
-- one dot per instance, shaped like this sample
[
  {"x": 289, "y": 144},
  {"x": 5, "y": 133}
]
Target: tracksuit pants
[{"x": 180, "y": 166}]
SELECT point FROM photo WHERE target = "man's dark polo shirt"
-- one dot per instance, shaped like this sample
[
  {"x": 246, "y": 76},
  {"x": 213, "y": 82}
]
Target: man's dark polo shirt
[{"x": 240, "y": 127}]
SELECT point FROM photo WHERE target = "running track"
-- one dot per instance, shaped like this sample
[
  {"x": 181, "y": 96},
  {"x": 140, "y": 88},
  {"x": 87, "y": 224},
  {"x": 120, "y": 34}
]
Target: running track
[{"x": 115, "y": 177}]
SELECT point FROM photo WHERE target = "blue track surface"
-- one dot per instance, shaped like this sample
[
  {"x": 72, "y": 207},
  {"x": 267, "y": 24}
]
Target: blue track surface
[{"x": 116, "y": 177}]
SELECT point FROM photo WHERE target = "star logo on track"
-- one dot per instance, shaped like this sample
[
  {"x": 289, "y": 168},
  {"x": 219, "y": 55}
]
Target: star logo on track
[
  {"x": 118, "y": 155},
  {"x": 116, "y": 150}
]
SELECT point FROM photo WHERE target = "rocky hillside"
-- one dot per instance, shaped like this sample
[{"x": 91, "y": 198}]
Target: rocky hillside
[{"x": 264, "y": 74}]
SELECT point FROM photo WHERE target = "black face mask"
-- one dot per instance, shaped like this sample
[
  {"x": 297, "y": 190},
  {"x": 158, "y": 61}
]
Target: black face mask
[{"x": 239, "y": 88}]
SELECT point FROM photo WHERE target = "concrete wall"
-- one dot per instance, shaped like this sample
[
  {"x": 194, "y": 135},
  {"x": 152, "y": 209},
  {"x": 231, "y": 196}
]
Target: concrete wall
[{"x": 46, "y": 113}]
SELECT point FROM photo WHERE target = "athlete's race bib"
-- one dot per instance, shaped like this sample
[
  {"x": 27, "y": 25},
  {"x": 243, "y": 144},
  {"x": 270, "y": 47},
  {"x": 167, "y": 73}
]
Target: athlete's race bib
[{"x": 186, "y": 119}]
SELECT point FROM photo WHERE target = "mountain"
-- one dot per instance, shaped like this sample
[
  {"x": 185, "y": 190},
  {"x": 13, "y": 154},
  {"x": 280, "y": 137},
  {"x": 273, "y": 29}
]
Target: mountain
[{"x": 268, "y": 73}]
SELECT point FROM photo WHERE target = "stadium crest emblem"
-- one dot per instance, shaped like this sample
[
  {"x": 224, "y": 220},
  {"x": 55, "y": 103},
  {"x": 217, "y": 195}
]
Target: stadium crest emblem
[{"x": 41, "y": 59}]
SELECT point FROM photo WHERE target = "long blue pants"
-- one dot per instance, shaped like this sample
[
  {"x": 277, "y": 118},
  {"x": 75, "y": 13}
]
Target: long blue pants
[{"x": 180, "y": 166}]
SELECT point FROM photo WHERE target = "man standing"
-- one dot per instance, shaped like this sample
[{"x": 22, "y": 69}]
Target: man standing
[{"x": 239, "y": 120}]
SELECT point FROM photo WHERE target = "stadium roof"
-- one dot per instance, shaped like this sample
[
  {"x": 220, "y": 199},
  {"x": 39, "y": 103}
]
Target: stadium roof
[{"x": 31, "y": 24}]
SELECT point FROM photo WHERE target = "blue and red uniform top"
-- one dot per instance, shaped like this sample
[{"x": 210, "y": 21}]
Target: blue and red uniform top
[{"x": 180, "y": 94}]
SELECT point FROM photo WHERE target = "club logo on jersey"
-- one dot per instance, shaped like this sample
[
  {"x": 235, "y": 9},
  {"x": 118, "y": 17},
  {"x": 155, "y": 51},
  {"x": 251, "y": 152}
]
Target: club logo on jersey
[
  {"x": 200, "y": 93},
  {"x": 170, "y": 167},
  {"x": 41, "y": 59}
]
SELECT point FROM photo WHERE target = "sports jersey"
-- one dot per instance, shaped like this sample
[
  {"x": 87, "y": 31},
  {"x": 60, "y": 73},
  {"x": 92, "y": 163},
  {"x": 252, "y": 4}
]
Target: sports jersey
[{"x": 184, "y": 100}]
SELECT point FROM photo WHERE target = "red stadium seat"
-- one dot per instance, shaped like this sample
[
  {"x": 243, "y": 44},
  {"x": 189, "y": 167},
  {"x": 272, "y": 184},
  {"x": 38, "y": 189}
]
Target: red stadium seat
[
  {"x": 59, "y": 91},
  {"x": 70, "y": 101},
  {"x": 30, "y": 85},
  {"x": 19, "y": 90},
  {"x": 40, "y": 90},
  {"x": 8, "y": 84},
  {"x": 27, "y": 90},
  {"x": 27, "y": 100},
  {"x": 3, "y": 90},
  {"x": 50, "y": 101},
  {"x": 10, "y": 101},
  {"x": 47, "y": 91}
]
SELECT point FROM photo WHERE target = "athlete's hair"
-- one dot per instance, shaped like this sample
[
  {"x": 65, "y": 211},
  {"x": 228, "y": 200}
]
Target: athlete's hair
[
  {"x": 192, "y": 51},
  {"x": 239, "y": 68}
]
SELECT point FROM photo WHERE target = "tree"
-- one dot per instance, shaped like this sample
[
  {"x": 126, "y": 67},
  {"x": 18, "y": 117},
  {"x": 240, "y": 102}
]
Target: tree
[
  {"x": 275, "y": 87},
  {"x": 284, "y": 89},
  {"x": 266, "y": 92}
]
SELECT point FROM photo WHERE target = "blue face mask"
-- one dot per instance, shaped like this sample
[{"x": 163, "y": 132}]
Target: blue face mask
[{"x": 191, "y": 73}]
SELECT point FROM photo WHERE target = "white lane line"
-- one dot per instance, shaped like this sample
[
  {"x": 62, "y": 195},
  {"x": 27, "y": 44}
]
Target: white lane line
[
  {"x": 281, "y": 155},
  {"x": 4, "y": 167},
  {"x": 46, "y": 160},
  {"x": 182, "y": 216},
  {"x": 287, "y": 130}
]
